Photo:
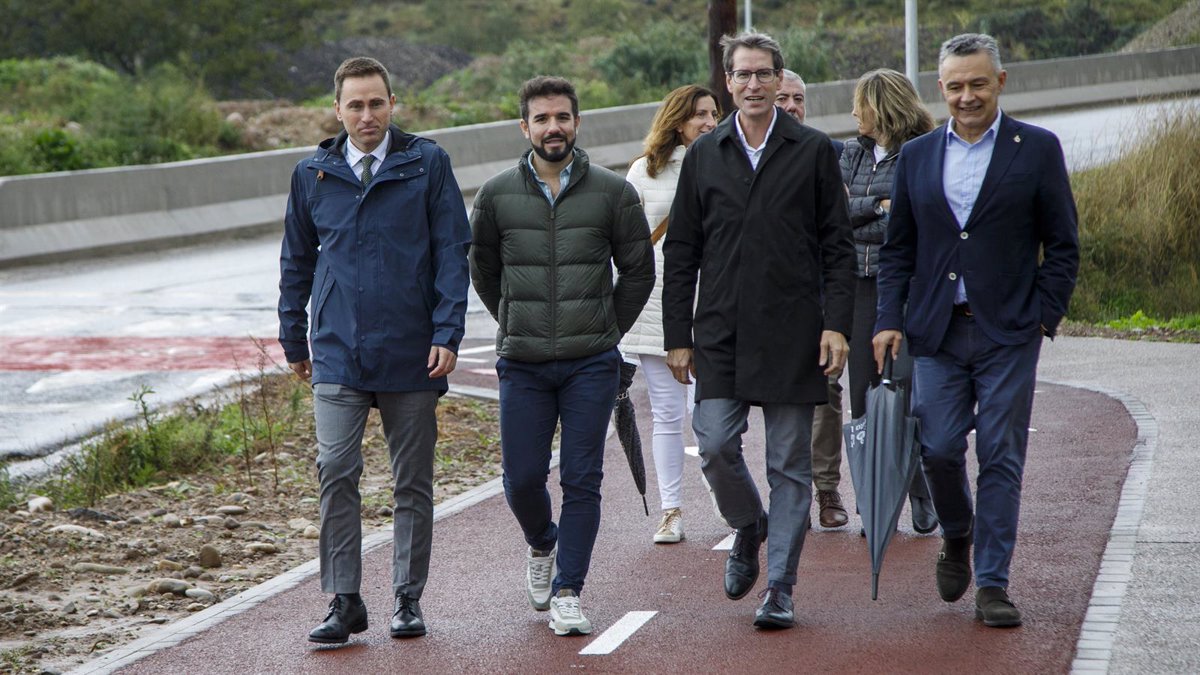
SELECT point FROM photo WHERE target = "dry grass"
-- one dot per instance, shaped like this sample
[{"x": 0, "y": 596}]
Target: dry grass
[{"x": 1139, "y": 227}]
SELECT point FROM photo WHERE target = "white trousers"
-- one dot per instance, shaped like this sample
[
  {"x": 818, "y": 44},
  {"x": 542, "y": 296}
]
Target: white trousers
[{"x": 669, "y": 402}]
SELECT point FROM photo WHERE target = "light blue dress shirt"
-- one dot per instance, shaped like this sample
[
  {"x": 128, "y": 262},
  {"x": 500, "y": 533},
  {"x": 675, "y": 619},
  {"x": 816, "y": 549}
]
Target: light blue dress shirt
[
  {"x": 962, "y": 176},
  {"x": 564, "y": 177}
]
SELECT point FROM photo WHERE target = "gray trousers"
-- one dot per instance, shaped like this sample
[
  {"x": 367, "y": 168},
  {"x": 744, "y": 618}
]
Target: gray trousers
[
  {"x": 719, "y": 425},
  {"x": 410, "y": 426}
]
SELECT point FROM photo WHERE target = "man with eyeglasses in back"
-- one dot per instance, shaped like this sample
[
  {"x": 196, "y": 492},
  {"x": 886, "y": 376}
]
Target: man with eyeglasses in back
[
  {"x": 760, "y": 215},
  {"x": 827, "y": 418}
]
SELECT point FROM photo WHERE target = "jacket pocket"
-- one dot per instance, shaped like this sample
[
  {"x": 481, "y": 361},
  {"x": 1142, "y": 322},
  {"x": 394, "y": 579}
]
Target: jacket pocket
[{"x": 324, "y": 285}]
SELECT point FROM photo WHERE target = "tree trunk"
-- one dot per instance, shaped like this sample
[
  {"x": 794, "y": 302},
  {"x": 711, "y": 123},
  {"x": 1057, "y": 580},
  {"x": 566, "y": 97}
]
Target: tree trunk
[{"x": 722, "y": 20}]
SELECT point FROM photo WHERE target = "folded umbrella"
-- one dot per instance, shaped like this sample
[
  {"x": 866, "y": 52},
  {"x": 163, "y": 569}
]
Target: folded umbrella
[
  {"x": 884, "y": 452},
  {"x": 625, "y": 420}
]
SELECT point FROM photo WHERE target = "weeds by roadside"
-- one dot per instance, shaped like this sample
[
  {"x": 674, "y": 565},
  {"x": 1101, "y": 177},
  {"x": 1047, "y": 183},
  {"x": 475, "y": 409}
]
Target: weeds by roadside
[
  {"x": 159, "y": 447},
  {"x": 1139, "y": 228}
]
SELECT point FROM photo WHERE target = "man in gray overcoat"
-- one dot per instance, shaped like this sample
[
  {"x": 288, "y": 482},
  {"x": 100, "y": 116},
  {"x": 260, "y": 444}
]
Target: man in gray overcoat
[{"x": 760, "y": 215}]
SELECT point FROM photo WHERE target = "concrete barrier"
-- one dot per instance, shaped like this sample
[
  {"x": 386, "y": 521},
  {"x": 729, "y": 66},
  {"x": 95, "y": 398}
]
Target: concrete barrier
[{"x": 76, "y": 213}]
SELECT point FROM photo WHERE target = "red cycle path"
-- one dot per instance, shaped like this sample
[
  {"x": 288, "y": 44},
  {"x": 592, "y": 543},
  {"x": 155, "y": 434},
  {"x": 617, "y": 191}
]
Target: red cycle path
[
  {"x": 135, "y": 353},
  {"x": 480, "y": 621}
]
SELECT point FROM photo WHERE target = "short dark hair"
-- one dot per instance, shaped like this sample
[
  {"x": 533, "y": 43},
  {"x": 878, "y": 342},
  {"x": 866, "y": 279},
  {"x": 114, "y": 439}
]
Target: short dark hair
[
  {"x": 546, "y": 85},
  {"x": 359, "y": 66},
  {"x": 751, "y": 40}
]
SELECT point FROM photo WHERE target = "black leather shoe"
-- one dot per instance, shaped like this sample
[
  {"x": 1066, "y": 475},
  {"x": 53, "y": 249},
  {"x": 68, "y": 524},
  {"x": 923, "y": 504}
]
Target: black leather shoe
[
  {"x": 954, "y": 567},
  {"x": 924, "y": 518},
  {"x": 407, "y": 620},
  {"x": 741, "y": 568},
  {"x": 993, "y": 607},
  {"x": 776, "y": 610},
  {"x": 347, "y": 614}
]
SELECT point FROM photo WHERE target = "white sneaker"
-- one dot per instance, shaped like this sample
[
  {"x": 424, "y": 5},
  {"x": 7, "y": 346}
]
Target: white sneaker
[
  {"x": 539, "y": 573},
  {"x": 565, "y": 616},
  {"x": 713, "y": 497},
  {"x": 670, "y": 529}
]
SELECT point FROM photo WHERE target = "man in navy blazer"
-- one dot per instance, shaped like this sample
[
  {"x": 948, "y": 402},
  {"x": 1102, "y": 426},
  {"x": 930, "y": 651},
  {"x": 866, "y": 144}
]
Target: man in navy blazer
[{"x": 975, "y": 204}]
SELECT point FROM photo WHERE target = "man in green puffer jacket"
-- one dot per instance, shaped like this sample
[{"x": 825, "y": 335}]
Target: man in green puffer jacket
[{"x": 546, "y": 236}]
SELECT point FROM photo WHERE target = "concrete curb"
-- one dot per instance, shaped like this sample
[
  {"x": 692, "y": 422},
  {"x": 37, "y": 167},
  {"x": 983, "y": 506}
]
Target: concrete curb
[{"x": 1093, "y": 650}]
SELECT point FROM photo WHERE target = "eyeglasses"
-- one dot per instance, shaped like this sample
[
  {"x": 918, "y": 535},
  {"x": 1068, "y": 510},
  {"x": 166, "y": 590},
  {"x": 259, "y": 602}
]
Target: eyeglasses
[{"x": 765, "y": 76}]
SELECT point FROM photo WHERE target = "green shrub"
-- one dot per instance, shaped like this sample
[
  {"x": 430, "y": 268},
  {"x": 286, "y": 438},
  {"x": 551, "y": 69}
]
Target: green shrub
[
  {"x": 1139, "y": 227},
  {"x": 663, "y": 55},
  {"x": 116, "y": 120},
  {"x": 58, "y": 150}
]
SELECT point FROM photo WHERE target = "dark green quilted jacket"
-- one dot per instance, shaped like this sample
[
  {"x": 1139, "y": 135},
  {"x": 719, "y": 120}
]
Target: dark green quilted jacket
[{"x": 546, "y": 272}]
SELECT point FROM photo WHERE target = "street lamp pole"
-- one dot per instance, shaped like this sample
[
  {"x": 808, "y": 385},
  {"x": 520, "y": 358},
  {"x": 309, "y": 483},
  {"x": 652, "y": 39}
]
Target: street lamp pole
[
  {"x": 911, "y": 65},
  {"x": 747, "y": 16}
]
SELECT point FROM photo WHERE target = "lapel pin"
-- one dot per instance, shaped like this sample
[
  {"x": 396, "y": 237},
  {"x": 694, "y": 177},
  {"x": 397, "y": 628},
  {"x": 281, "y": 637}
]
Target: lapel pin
[
  {"x": 1017, "y": 138},
  {"x": 320, "y": 174}
]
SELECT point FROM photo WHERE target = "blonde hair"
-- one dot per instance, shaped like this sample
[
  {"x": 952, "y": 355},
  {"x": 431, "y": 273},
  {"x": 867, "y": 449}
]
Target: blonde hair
[
  {"x": 892, "y": 99},
  {"x": 678, "y": 107}
]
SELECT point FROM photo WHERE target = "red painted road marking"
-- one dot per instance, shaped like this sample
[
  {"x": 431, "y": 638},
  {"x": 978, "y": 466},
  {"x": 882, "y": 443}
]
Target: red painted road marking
[{"x": 136, "y": 353}]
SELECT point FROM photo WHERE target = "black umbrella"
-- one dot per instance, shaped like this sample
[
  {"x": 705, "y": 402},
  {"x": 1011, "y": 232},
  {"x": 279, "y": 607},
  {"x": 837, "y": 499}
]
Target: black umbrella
[
  {"x": 627, "y": 431},
  {"x": 884, "y": 453}
]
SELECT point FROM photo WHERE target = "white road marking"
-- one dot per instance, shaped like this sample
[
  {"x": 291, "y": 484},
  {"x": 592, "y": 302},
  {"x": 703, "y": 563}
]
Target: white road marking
[
  {"x": 37, "y": 408},
  {"x": 618, "y": 633},
  {"x": 973, "y": 431},
  {"x": 471, "y": 359},
  {"x": 693, "y": 450},
  {"x": 78, "y": 378},
  {"x": 726, "y": 543},
  {"x": 477, "y": 350},
  {"x": 483, "y": 371}
]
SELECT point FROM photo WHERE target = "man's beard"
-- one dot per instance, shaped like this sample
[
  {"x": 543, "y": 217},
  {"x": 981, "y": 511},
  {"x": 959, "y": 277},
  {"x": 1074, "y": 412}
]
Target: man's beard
[{"x": 556, "y": 156}]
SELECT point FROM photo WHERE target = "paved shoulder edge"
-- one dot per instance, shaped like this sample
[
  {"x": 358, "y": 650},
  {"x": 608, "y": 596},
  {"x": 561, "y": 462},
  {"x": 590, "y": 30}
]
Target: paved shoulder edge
[{"x": 1093, "y": 650}]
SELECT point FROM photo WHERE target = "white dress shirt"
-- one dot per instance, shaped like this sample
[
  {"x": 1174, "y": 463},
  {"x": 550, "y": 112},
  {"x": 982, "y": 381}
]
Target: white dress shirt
[
  {"x": 354, "y": 155},
  {"x": 753, "y": 153}
]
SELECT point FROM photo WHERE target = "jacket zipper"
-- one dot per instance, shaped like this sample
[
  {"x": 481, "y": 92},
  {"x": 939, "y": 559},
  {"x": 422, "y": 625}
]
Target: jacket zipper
[
  {"x": 867, "y": 250},
  {"x": 553, "y": 257},
  {"x": 554, "y": 282}
]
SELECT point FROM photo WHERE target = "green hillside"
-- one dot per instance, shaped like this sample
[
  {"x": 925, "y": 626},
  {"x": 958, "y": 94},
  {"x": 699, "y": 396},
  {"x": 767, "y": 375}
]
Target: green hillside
[{"x": 92, "y": 84}]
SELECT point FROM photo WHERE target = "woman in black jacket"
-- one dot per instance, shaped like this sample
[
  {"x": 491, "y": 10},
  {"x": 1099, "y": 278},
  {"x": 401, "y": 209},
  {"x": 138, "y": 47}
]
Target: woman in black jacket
[{"x": 889, "y": 114}]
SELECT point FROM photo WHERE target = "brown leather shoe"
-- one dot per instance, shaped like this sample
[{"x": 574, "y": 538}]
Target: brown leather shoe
[{"x": 833, "y": 514}]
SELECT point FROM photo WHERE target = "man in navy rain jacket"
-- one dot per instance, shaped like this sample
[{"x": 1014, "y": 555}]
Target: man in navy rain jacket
[{"x": 376, "y": 236}]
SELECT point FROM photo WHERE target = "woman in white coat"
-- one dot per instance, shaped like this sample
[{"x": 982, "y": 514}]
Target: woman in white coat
[{"x": 684, "y": 115}]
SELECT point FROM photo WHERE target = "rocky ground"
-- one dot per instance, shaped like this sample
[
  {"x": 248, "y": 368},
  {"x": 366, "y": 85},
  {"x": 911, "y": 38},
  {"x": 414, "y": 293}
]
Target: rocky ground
[
  {"x": 270, "y": 125},
  {"x": 76, "y": 582}
]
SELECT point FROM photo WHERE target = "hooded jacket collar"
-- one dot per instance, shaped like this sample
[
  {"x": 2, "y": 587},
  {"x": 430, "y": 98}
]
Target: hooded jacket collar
[{"x": 336, "y": 146}]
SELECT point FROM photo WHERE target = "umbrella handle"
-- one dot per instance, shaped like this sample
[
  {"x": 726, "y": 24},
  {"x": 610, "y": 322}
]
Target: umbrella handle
[{"x": 888, "y": 362}]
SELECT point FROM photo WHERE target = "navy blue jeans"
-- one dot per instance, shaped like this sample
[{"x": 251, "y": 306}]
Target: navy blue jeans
[
  {"x": 534, "y": 398},
  {"x": 974, "y": 383}
]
